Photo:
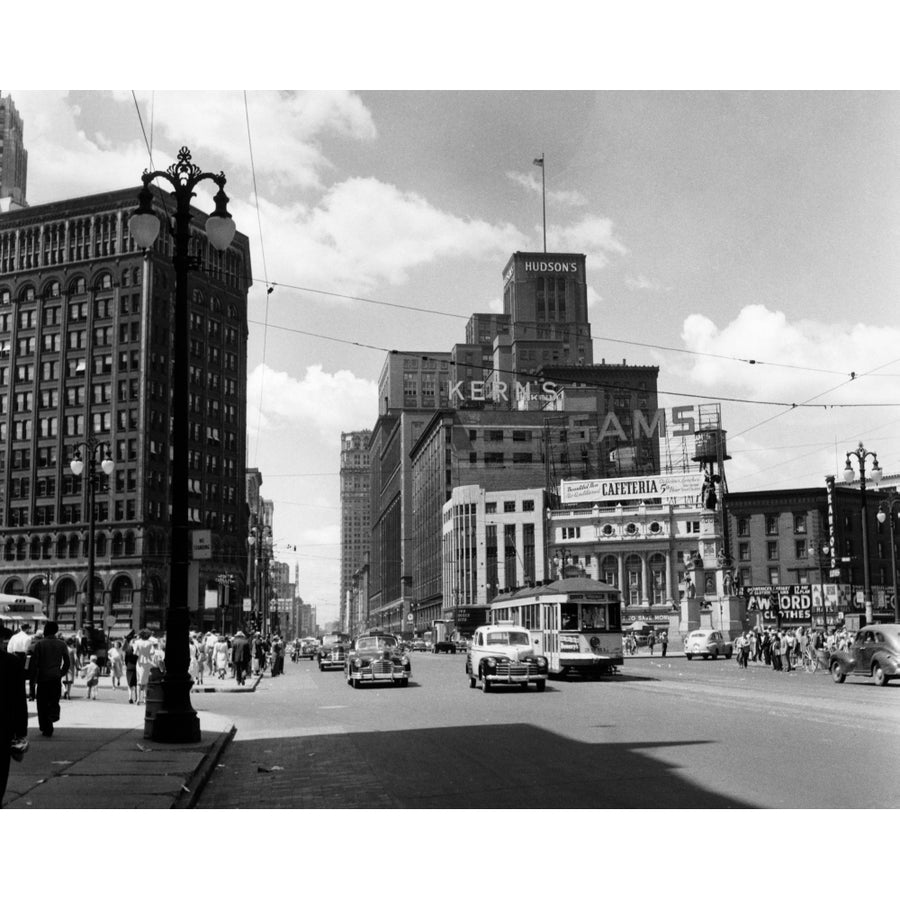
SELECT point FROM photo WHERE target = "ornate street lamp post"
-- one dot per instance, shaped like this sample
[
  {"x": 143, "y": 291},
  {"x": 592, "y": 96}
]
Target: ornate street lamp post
[
  {"x": 861, "y": 454},
  {"x": 176, "y": 721},
  {"x": 886, "y": 512},
  {"x": 91, "y": 446}
]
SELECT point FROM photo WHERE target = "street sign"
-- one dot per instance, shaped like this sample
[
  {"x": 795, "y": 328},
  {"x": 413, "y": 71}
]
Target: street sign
[
  {"x": 201, "y": 543},
  {"x": 110, "y": 621},
  {"x": 248, "y": 604}
]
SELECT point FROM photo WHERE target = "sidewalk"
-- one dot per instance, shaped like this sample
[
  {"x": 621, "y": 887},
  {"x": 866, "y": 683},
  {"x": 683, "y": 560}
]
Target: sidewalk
[{"x": 98, "y": 757}]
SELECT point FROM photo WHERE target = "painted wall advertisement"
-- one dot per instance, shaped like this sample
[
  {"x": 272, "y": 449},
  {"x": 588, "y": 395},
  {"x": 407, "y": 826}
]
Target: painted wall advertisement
[
  {"x": 798, "y": 603},
  {"x": 667, "y": 488}
]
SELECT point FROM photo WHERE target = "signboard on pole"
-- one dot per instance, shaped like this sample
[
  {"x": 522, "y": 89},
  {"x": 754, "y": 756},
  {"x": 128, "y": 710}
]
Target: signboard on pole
[
  {"x": 201, "y": 543},
  {"x": 247, "y": 604},
  {"x": 211, "y": 599}
]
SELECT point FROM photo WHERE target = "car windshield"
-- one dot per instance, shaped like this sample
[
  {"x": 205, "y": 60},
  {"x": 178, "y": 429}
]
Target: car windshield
[
  {"x": 508, "y": 637},
  {"x": 376, "y": 643}
]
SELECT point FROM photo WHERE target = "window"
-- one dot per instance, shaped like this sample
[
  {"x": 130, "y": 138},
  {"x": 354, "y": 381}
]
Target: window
[
  {"x": 771, "y": 524},
  {"x": 490, "y": 508},
  {"x": 771, "y": 549},
  {"x": 743, "y": 526},
  {"x": 744, "y": 551},
  {"x": 774, "y": 575},
  {"x": 509, "y": 506},
  {"x": 570, "y": 532},
  {"x": 522, "y": 458},
  {"x": 493, "y": 459},
  {"x": 799, "y": 549},
  {"x": 528, "y": 506},
  {"x": 800, "y": 524}
]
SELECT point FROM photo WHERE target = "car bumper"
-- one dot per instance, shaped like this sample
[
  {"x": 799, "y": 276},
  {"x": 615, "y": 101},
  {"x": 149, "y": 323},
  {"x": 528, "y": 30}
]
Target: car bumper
[
  {"x": 589, "y": 661},
  {"x": 331, "y": 663},
  {"x": 368, "y": 675}
]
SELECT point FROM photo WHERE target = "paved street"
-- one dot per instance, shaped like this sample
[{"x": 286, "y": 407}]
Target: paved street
[{"x": 667, "y": 733}]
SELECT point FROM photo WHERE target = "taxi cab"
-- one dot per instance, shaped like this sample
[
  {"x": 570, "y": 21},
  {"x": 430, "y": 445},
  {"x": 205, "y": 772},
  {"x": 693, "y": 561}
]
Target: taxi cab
[{"x": 503, "y": 654}]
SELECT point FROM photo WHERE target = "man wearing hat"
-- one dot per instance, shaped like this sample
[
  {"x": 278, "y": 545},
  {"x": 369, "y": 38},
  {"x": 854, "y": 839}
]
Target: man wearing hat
[
  {"x": 240, "y": 656},
  {"x": 49, "y": 663}
]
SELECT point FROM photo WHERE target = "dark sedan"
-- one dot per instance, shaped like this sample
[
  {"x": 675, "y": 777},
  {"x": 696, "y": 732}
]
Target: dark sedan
[
  {"x": 874, "y": 653},
  {"x": 377, "y": 657}
]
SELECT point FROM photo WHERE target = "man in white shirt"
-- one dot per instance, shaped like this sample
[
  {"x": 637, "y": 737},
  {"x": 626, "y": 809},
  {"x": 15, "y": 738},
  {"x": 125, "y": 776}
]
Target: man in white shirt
[{"x": 20, "y": 642}]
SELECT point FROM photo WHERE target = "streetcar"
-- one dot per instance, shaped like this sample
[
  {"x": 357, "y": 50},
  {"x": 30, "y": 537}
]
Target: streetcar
[
  {"x": 575, "y": 622},
  {"x": 17, "y": 610}
]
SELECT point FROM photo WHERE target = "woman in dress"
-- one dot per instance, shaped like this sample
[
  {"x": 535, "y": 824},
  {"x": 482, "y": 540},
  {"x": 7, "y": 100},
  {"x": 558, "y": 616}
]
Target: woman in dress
[
  {"x": 116, "y": 664},
  {"x": 143, "y": 649},
  {"x": 220, "y": 656},
  {"x": 129, "y": 657}
]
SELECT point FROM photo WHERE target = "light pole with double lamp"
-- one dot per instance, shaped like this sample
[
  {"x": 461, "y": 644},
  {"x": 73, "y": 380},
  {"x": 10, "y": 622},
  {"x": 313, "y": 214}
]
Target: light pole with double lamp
[
  {"x": 885, "y": 513},
  {"x": 862, "y": 454},
  {"x": 176, "y": 721},
  {"x": 91, "y": 447}
]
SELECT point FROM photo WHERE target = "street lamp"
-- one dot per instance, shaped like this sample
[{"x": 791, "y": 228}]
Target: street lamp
[
  {"x": 861, "y": 453},
  {"x": 176, "y": 721},
  {"x": 885, "y": 512},
  {"x": 91, "y": 446},
  {"x": 820, "y": 554}
]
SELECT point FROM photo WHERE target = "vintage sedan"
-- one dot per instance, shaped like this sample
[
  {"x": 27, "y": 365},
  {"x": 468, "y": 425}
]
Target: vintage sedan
[
  {"x": 333, "y": 652},
  {"x": 874, "y": 653},
  {"x": 707, "y": 643},
  {"x": 503, "y": 654},
  {"x": 377, "y": 658}
]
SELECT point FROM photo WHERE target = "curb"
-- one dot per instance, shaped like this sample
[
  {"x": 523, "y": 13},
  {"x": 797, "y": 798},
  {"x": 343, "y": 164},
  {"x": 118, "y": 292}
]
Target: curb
[
  {"x": 191, "y": 791},
  {"x": 243, "y": 689}
]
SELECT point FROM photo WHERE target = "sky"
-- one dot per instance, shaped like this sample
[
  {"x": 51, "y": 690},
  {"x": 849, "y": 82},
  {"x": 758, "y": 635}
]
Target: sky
[{"x": 720, "y": 226}]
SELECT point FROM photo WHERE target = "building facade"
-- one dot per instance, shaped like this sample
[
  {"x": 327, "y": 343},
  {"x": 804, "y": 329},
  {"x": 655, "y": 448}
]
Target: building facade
[
  {"x": 86, "y": 337},
  {"x": 356, "y": 526},
  {"x": 13, "y": 157}
]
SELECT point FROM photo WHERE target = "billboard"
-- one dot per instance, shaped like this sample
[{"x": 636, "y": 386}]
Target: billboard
[{"x": 674, "y": 488}]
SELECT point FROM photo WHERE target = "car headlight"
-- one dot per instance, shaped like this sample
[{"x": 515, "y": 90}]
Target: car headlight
[
  {"x": 404, "y": 661},
  {"x": 491, "y": 663},
  {"x": 542, "y": 662},
  {"x": 357, "y": 663}
]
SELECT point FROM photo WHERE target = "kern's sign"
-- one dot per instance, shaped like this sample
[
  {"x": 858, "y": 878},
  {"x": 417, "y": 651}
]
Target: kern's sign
[{"x": 647, "y": 487}]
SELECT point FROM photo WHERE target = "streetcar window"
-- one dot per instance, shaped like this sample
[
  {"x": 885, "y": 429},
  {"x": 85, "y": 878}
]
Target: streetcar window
[{"x": 568, "y": 617}]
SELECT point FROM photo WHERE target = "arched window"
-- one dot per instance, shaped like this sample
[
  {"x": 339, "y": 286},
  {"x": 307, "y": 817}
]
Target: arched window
[
  {"x": 100, "y": 545},
  {"x": 609, "y": 570},
  {"x": 77, "y": 286},
  {"x": 103, "y": 281},
  {"x": 215, "y": 304},
  {"x": 126, "y": 278},
  {"x": 117, "y": 544},
  {"x": 47, "y": 547},
  {"x": 129, "y": 543},
  {"x": 658, "y": 578},
  {"x": 62, "y": 545},
  {"x": 51, "y": 289},
  {"x": 21, "y": 549},
  {"x": 633, "y": 586},
  {"x": 74, "y": 546},
  {"x": 10, "y": 551},
  {"x": 35, "y": 548},
  {"x": 27, "y": 293}
]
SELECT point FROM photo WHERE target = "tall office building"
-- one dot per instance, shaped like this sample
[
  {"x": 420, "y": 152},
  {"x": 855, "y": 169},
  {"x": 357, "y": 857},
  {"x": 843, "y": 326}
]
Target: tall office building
[
  {"x": 86, "y": 342},
  {"x": 355, "y": 520},
  {"x": 13, "y": 157}
]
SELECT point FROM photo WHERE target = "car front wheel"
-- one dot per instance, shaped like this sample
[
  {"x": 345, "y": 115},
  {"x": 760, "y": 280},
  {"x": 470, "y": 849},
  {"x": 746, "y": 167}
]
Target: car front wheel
[
  {"x": 485, "y": 684},
  {"x": 837, "y": 673},
  {"x": 878, "y": 674}
]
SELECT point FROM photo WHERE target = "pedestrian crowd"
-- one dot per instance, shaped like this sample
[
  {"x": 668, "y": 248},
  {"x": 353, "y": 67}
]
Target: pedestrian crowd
[
  {"x": 219, "y": 655},
  {"x": 784, "y": 649}
]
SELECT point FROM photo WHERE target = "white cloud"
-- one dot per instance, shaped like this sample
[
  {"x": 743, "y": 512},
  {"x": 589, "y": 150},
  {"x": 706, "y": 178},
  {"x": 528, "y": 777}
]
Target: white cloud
[
  {"x": 592, "y": 235},
  {"x": 559, "y": 198},
  {"x": 322, "y": 402},
  {"x": 642, "y": 283}
]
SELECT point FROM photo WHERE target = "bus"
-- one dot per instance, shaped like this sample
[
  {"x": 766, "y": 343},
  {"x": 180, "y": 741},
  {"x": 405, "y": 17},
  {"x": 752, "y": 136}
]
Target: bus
[
  {"x": 575, "y": 622},
  {"x": 17, "y": 610}
]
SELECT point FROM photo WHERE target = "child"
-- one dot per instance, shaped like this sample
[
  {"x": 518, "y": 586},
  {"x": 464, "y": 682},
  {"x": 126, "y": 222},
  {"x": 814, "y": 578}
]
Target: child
[{"x": 91, "y": 674}]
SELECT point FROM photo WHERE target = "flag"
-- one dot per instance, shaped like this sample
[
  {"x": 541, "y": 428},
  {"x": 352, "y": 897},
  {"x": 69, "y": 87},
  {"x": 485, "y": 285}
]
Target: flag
[{"x": 539, "y": 162}]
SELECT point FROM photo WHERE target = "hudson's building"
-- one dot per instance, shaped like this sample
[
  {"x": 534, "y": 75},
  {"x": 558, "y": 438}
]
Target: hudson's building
[{"x": 356, "y": 526}]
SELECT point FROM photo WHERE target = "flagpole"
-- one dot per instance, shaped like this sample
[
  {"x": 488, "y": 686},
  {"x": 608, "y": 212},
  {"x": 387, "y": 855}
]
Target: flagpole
[{"x": 540, "y": 162}]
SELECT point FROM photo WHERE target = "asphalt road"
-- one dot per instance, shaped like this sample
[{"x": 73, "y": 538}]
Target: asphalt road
[{"x": 664, "y": 734}]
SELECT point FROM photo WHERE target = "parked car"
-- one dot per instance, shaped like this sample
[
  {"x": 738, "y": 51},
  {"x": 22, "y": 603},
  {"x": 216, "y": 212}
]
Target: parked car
[
  {"x": 418, "y": 645},
  {"x": 333, "y": 652},
  {"x": 707, "y": 643},
  {"x": 874, "y": 653},
  {"x": 377, "y": 657},
  {"x": 503, "y": 654}
]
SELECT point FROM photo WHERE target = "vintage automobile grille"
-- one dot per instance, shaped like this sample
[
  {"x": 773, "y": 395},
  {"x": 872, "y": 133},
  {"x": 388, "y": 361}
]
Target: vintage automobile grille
[
  {"x": 514, "y": 669},
  {"x": 336, "y": 655},
  {"x": 382, "y": 667}
]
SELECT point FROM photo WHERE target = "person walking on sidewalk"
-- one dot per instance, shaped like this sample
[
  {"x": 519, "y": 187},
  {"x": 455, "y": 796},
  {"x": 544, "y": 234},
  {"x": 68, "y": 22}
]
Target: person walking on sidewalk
[
  {"x": 220, "y": 656},
  {"x": 143, "y": 649},
  {"x": 13, "y": 709},
  {"x": 664, "y": 641},
  {"x": 69, "y": 677},
  {"x": 240, "y": 656},
  {"x": 651, "y": 640},
  {"x": 130, "y": 659},
  {"x": 116, "y": 664},
  {"x": 49, "y": 662}
]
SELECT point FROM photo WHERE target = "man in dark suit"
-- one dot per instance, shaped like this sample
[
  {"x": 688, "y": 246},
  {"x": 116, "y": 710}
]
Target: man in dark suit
[
  {"x": 50, "y": 662},
  {"x": 240, "y": 656},
  {"x": 13, "y": 707}
]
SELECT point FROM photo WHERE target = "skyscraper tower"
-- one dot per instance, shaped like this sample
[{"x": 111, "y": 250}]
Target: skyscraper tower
[
  {"x": 13, "y": 157},
  {"x": 355, "y": 519}
]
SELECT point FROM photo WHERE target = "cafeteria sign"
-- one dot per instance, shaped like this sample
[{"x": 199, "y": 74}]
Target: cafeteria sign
[{"x": 647, "y": 487}]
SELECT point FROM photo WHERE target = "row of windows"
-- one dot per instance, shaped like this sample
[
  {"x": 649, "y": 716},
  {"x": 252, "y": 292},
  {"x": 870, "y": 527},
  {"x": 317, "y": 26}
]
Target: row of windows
[
  {"x": 771, "y": 524},
  {"x": 78, "y": 285},
  {"x": 72, "y": 546},
  {"x": 509, "y": 506},
  {"x": 801, "y": 550}
]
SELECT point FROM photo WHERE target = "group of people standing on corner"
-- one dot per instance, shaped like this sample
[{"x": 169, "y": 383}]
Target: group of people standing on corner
[
  {"x": 652, "y": 639},
  {"x": 239, "y": 655},
  {"x": 783, "y": 649}
]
